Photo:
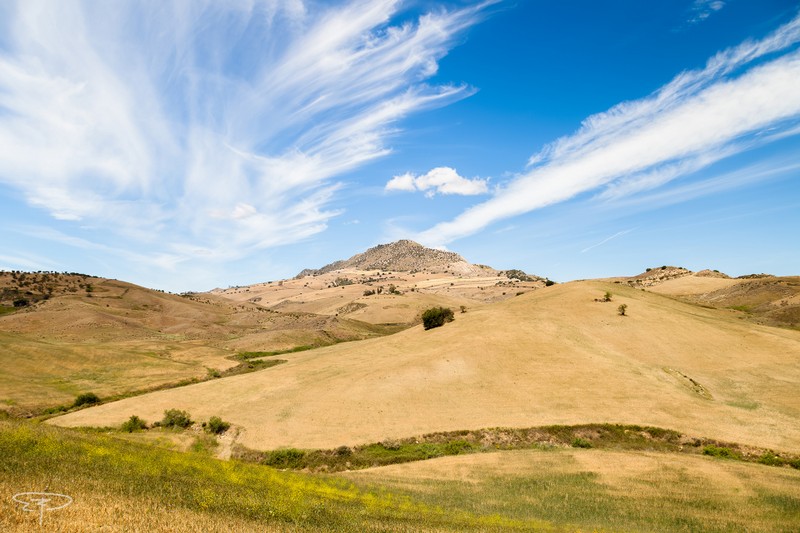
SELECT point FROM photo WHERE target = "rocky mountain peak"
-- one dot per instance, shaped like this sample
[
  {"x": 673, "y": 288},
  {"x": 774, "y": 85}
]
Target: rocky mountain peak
[{"x": 402, "y": 256}]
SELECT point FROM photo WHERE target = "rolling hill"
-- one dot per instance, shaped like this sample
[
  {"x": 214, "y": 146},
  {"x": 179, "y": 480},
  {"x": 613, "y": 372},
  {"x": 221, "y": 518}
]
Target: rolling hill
[
  {"x": 77, "y": 333},
  {"x": 552, "y": 356}
]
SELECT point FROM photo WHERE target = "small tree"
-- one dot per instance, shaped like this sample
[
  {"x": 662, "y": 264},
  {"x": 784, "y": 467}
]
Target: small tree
[
  {"x": 436, "y": 316},
  {"x": 607, "y": 297},
  {"x": 621, "y": 309},
  {"x": 216, "y": 425},
  {"x": 175, "y": 418},
  {"x": 87, "y": 398},
  {"x": 134, "y": 423}
]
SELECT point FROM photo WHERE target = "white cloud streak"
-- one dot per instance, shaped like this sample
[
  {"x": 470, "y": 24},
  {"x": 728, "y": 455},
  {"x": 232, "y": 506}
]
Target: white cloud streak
[
  {"x": 441, "y": 180},
  {"x": 739, "y": 100},
  {"x": 209, "y": 127},
  {"x": 618, "y": 234}
]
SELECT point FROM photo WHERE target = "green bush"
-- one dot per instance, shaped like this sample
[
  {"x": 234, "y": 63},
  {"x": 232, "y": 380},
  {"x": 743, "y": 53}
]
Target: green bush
[
  {"x": 621, "y": 309},
  {"x": 134, "y": 423},
  {"x": 87, "y": 398},
  {"x": 285, "y": 458},
  {"x": 458, "y": 447},
  {"x": 436, "y": 316},
  {"x": 720, "y": 451},
  {"x": 217, "y": 426},
  {"x": 175, "y": 418},
  {"x": 578, "y": 442},
  {"x": 769, "y": 458}
]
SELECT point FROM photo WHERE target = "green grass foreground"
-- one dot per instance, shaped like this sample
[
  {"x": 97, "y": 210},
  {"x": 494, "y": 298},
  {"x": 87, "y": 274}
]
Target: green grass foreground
[{"x": 125, "y": 486}]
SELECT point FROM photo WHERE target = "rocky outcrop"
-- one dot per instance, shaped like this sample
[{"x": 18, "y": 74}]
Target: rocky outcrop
[
  {"x": 404, "y": 256},
  {"x": 654, "y": 276},
  {"x": 711, "y": 274}
]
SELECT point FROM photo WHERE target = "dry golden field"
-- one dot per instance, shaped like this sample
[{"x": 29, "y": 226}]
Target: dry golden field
[
  {"x": 604, "y": 490},
  {"x": 120, "y": 338},
  {"x": 554, "y": 356}
]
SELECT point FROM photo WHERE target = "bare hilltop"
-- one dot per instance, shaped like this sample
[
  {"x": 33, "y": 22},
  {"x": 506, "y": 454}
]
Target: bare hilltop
[{"x": 404, "y": 256}]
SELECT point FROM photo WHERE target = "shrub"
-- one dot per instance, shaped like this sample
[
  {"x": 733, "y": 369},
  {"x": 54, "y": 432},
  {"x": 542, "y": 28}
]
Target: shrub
[
  {"x": 87, "y": 398},
  {"x": 343, "y": 451},
  {"x": 515, "y": 273},
  {"x": 607, "y": 297},
  {"x": 621, "y": 309},
  {"x": 436, "y": 316},
  {"x": 134, "y": 423},
  {"x": 549, "y": 283},
  {"x": 285, "y": 458},
  {"x": 175, "y": 418},
  {"x": 578, "y": 442},
  {"x": 720, "y": 451},
  {"x": 217, "y": 426},
  {"x": 769, "y": 458},
  {"x": 458, "y": 447}
]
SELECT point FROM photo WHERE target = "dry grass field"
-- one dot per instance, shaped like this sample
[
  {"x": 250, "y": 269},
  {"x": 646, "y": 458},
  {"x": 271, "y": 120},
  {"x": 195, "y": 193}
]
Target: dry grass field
[
  {"x": 588, "y": 490},
  {"x": 554, "y": 356},
  {"x": 768, "y": 300},
  {"x": 119, "y": 338}
]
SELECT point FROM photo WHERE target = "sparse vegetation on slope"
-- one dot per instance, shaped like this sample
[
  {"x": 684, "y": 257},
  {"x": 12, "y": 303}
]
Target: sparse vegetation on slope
[{"x": 441, "y": 444}]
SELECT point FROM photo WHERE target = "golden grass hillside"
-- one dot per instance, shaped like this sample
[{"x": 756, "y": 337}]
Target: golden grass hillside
[
  {"x": 554, "y": 356},
  {"x": 768, "y": 300},
  {"x": 80, "y": 333}
]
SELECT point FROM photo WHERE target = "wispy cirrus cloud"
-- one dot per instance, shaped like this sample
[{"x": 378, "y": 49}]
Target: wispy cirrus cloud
[
  {"x": 745, "y": 97},
  {"x": 209, "y": 128},
  {"x": 441, "y": 180},
  {"x": 702, "y": 9}
]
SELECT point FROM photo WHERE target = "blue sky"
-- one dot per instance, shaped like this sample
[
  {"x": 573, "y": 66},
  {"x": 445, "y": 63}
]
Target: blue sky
[{"x": 188, "y": 145}]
